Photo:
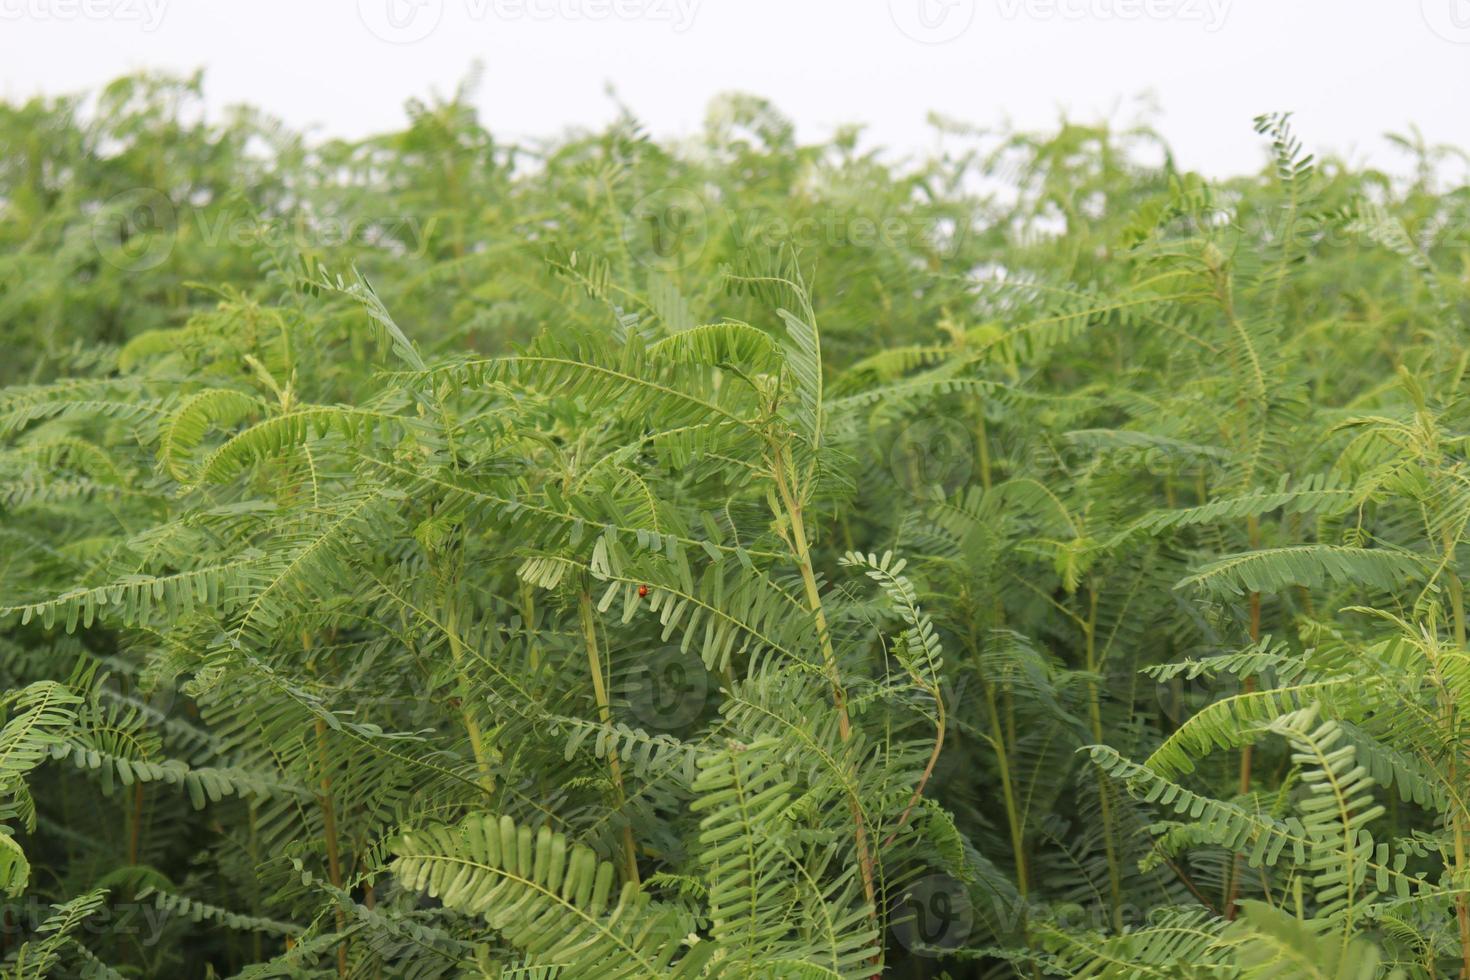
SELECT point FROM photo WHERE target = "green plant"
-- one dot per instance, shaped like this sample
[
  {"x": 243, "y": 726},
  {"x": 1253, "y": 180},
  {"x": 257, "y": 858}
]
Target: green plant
[{"x": 587, "y": 570}]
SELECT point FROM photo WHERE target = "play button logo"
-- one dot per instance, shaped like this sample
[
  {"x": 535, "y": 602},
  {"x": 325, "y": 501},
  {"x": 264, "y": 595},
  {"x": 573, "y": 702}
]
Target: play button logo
[
  {"x": 1450, "y": 19},
  {"x": 400, "y": 21},
  {"x": 932, "y": 21}
]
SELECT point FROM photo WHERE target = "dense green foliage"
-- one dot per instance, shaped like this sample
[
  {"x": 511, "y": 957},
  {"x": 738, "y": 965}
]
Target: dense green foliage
[{"x": 427, "y": 556}]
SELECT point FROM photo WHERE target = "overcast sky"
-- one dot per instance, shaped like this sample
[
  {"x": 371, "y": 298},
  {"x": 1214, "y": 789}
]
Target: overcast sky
[{"x": 1350, "y": 69}]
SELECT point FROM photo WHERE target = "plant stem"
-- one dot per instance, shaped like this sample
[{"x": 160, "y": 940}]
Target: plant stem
[
  {"x": 329, "y": 832},
  {"x": 604, "y": 714},
  {"x": 1247, "y": 751},
  {"x": 471, "y": 726},
  {"x": 329, "y": 820},
  {"x": 1462, "y": 907},
  {"x": 1458, "y": 818},
  {"x": 1008, "y": 792},
  {"x": 256, "y": 945},
  {"x": 1094, "y": 711},
  {"x": 528, "y": 617},
  {"x": 918, "y": 793},
  {"x": 983, "y": 438},
  {"x": 803, "y": 555},
  {"x": 135, "y": 828}
]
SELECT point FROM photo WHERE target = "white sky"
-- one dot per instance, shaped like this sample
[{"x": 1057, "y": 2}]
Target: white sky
[{"x": 1350, "y": 69}]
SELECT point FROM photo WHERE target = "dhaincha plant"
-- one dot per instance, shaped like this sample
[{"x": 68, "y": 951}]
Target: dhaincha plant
[{"x": 427, "y": 556}]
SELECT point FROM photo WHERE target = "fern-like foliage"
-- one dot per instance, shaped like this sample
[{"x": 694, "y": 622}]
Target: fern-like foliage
[
  {"x": 585, "y": 568},
  {"x": 550, "y": 899}
]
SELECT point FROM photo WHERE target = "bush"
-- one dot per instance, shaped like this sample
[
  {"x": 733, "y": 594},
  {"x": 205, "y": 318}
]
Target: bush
[{"x": 428, "y": 556}]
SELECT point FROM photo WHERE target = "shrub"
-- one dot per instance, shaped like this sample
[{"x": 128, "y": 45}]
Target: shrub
[{"x": 428, "y": 557}]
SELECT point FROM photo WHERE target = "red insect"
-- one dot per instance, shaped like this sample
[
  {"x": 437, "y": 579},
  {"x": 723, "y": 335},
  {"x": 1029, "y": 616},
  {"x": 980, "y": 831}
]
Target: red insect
[{"x": 642, "y": 591}]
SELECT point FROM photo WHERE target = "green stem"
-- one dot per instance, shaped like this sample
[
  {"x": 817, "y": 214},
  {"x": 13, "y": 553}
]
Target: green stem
[
  {"x": 604, "y": 714},
  {"x": 1008, "y": 794},
  {"x": 983, "y": 437},
  {"x": 471, "y": 726},
  {"x": 1247, "y": 751},
  {"x": 329, "y": 819},
  {"x": 1458, "y": 821},
  {"x": 329, "y": 833},
  {"x": 802, "y": 551},
  {"x": 1094, "y": 711}
]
